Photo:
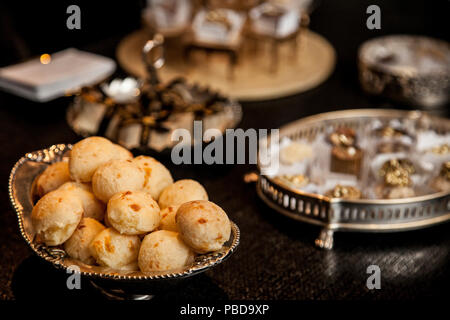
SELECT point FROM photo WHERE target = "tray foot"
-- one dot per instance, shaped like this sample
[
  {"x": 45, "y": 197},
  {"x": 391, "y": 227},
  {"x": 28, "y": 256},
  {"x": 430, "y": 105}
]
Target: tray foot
[{"x": 325, "y": 239}]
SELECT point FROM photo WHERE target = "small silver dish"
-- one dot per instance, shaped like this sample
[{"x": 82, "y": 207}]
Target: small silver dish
[
  {"x": 409, "y": 69},
  {"x": 112, "y": 283}
]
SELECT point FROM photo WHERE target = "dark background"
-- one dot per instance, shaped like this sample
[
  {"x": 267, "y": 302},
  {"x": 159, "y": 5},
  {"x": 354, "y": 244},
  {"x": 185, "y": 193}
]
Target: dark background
[{"x": 276, "y": 258}]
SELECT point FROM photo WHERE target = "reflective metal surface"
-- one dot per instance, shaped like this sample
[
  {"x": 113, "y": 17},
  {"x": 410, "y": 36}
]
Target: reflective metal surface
[{"x": 366, "y": 215}]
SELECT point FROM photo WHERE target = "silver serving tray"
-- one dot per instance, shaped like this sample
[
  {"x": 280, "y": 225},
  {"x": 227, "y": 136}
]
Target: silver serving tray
[
  {"x": 365, "y": 215},
  {"x": 21, "y": 193}
]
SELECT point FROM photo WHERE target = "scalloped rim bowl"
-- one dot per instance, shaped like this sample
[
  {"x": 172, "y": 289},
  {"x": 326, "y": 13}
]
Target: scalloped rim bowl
[{"x": 21, "y": 187}]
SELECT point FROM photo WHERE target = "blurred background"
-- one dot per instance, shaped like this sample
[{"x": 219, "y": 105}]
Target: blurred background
[{"x": 29, "y": 29}]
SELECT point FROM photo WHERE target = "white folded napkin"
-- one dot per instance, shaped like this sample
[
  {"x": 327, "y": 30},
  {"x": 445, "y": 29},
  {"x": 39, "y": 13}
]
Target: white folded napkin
[{"x": 67, "y": 70}]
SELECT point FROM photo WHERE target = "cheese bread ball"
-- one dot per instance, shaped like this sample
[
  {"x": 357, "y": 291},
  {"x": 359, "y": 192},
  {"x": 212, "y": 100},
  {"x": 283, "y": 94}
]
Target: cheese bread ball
[
  {"x": 106, "y": 221},
  {"x": 121, "y": 153},
  {"x": 130, "y": 267},
  {"x": 133, "y": 212},
  {"x": 203, "y": 225},
  {"x": 56, "y": 216},
  {"x": 162, "y": 251},
  {"x": 168, "y": 219},
  {"x": 78, "y": 245},
  {"x": 157, "y": 177},
  {"x": 87, "y": 155},
  {"x": 117, "y": 176},
  {"x": 93, "y": 208},
  {"x": 53, "y": 176},
  {"x": 180, "y": 192},
  {"x": 115, "y": 250}
]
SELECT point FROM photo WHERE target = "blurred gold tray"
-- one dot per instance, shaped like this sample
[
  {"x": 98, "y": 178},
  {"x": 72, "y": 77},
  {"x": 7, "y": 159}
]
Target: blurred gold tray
[{"x": 310, "y": 65}]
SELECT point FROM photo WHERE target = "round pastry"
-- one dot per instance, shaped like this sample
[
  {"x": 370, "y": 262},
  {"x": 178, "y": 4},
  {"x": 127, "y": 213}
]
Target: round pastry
[
  {"x": 157, "y": 177},
  {"x": 78, "y": 245},
  {"x": 345, "y": 137},
  {"x": 164, "y": 250},
  {"x": 115, "y": 250},
  {"x": 203, "y": 225},
  {"x": 53, "y": 176},
  {"x": 56, "y": 216},
  {"x": 106, "y": 221},
  {"x": 133, "y": 212},
  {"x": 116, "y": 176},
  {"x": 180, "y": 192},
  {"x": 87, "y": 155},
  {"x": 121, "y": 153},
  {"x": 93, "y": 208},
  {"x": 295, "y": 152},
  {"x": 168, "y": 219}
]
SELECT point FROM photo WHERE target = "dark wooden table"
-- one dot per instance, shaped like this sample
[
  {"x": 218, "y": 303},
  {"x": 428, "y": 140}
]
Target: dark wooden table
[{"x": 277, "y": 258}]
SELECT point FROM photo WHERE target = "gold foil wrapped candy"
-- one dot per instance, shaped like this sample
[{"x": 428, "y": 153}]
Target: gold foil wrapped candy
[
  {"x": 346, "y": 157},
  {"x": 344, "y": 192},
  {"x": 445, "y": 170},
  {"x": 443, "y": 149},
  {"x": 346, "y": 160},
  {"x": 389, "y": 132},
  {"x": 396, "y": 172},
  {"x": 392, "y": 147},
  {"x": 299, "y": 180}
]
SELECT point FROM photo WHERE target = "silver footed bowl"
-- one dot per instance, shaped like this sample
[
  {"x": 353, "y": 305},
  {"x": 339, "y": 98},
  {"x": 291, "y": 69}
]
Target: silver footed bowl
[{"x": 21, "y": 193}]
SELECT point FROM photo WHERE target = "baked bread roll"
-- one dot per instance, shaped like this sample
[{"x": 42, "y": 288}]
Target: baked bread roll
[
  {"x": 121, "y": 153},
  {"x": 168, "y": 219},
  {"x": 203, "y": 225},
  {"x": 115, "y": 250},
  {"x": 56, "y": 216},
  {"x": 163, "y": 251},
  {"x": 116, "y": 176},
  {"x": 93, "y": 208},
  {"x": 295, "y": 152},
  {"x": 87, "y": 155},
  {"x": 133, "y": 212},
  {"x": 180, "y": 192},
  {"x": 157, "y": 177},
  {"x": 52, "y": 178},
  {"x": 78, "y": 245}
]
